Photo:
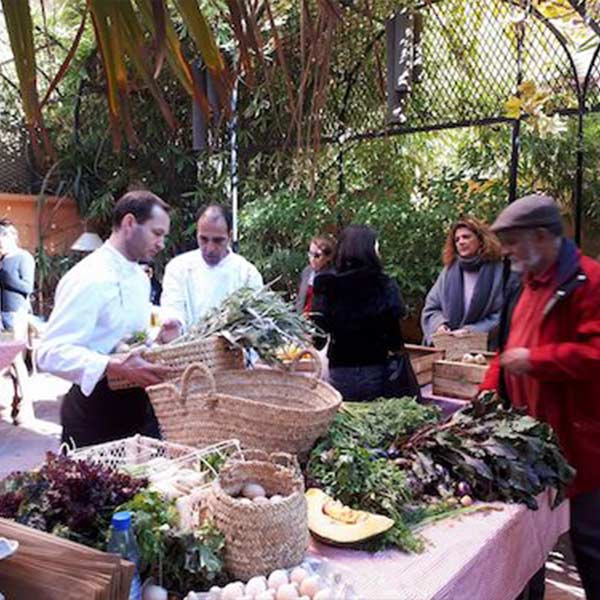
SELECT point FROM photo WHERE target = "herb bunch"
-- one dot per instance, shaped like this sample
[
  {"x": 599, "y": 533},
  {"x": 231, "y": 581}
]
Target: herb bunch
[
  {"x": 259, "y": 319},
  {"x": 180, "y": 561},
  {"x": 69, "y": 498},
  {"x": 352, "y": 465},
  {"x": 396, "y": 457},
  {"x": 500, "y": 453}
]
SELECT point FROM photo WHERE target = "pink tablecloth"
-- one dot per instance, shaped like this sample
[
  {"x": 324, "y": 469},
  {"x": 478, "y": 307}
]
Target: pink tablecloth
[
  {"x": 481, "y": 556},
  {"x": 446, "y": 404},
  {"x": 8, "y": 352}
]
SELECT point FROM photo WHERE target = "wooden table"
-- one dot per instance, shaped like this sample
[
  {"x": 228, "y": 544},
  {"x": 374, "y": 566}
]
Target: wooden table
[{"x": 11, "y": 361}]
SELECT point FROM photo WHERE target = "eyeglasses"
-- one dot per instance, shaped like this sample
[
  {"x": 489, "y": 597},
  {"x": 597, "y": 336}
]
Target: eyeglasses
[{"x": 314, "y": 254}]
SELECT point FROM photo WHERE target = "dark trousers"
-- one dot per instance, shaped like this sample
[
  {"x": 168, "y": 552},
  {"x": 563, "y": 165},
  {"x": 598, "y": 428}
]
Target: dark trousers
[
  {"x": 585, "y": 541},
  {"x": 106, "y": 415},
  {"x": 358, "y": 384}
]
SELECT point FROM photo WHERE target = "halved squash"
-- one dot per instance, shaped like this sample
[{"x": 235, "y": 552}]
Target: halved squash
[{"x": 333, "y": 523}]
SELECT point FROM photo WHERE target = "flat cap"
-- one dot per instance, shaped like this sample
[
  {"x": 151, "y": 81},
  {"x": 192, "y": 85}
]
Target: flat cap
[{"x": 530, "y": 212}]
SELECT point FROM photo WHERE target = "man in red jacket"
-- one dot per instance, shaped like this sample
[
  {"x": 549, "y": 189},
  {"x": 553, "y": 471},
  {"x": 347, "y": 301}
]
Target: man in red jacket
[{"x": 549, "y": 358}]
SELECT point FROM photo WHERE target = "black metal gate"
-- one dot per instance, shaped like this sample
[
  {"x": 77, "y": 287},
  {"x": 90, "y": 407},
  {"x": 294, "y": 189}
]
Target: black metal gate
[{"x": 474, "y": 54}]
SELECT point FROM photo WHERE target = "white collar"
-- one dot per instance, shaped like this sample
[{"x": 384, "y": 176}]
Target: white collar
[
  {"x": 221, "y": 264},
  {"x": 119, "y": 257}
]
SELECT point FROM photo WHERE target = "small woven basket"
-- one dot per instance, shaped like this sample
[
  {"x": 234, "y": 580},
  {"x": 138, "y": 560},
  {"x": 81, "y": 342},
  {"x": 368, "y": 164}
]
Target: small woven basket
[
  {"x": 260, "y": 538},
  {"x": 269, "y": 409},
  {"x": 457, "y": 345},
  {"x": 214, "y": 352}
]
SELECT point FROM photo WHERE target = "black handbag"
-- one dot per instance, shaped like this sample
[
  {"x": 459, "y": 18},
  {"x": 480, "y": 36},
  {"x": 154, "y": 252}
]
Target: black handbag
[{"x": 400, "y": 378}]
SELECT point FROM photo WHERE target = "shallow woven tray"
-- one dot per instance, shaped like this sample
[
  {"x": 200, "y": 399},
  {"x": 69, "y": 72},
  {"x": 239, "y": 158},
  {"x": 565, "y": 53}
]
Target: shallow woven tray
[{"x": 214, "y": 352}]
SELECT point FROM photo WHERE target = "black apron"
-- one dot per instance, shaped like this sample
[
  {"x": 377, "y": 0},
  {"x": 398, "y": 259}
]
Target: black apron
[{"x": 106, "y": 415}]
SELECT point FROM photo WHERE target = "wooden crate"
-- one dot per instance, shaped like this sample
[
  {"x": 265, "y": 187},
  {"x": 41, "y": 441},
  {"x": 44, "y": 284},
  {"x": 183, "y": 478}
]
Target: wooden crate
[
  {"x": 457, "y": 345},
  {"x": 422, "y": 359},
  {"x": 456, "y": 379}
]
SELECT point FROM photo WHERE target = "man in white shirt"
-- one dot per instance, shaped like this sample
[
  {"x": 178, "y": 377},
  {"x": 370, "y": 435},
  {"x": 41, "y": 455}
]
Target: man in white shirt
[
  {"x": 102, "y": 300},
  {"x": 196, "y": 281}
]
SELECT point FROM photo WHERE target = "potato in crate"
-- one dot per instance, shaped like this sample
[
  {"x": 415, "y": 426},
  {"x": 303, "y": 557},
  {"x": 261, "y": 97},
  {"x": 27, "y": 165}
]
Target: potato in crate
[{"x": 460, "y": 378}]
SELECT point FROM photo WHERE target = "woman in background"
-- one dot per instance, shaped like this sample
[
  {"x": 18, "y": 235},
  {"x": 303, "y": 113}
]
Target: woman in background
[
  {"x": 360, "y": 307},
  {"x": 155, "y": 285},
  {"x": 467, "y": 295},
  {"x": 321, "y": 253},
  {"x": 17, "y": 277}
]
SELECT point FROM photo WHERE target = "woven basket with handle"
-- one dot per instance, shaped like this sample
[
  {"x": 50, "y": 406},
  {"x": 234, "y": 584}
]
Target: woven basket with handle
[
  {"x": 214, "y": 352},
  {"x": 457, "y": 345},
  {"x": 260, "y": 538},
  {"x": 269, "y": 409}
]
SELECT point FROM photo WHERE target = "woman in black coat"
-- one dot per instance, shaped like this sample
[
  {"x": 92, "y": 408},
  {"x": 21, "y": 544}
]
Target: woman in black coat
[{"x": 360, "y": 307}]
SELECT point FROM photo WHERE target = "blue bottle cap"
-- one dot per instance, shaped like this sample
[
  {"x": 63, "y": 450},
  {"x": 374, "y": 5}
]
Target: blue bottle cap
[{"x": 121, "y": 521}]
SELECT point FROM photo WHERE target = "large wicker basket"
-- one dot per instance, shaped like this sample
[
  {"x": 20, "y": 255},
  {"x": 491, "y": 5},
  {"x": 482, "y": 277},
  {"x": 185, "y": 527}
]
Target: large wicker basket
[
  {"x": 214, "y": 352},
  {"x": 267, "y": 409},
  {"x": 260, "y": 538},
  {"x": 457, "y": 345}
]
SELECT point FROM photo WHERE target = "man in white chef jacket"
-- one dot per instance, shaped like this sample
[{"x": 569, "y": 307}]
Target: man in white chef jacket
[
  {"x": 100, "y": 302},
  {"x": 196, "y": 281}
]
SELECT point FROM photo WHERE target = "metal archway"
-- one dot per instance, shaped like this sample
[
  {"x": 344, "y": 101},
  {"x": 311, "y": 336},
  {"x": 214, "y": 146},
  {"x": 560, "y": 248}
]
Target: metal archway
[{"x": 469, "y": 70}]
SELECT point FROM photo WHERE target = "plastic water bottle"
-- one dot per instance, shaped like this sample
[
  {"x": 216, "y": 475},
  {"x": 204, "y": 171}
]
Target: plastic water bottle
[{"x": 122, "y": 542}]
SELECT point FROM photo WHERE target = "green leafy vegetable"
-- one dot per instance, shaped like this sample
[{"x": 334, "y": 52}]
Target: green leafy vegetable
[
  {"x": 501, "y": 453},
  {"x": 70, "y": 498},
  {"x": 180, "y": 561},
  {"x": 397, "y": 458},
  {"x": 351, "y": 465},
  {"x": 137, "y": 338},
  {"x": 258, "y": 319}
]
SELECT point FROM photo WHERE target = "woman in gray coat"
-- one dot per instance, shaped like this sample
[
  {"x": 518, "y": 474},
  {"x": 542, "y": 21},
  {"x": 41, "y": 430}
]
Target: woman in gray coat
[{"x": 467, "y": 295}]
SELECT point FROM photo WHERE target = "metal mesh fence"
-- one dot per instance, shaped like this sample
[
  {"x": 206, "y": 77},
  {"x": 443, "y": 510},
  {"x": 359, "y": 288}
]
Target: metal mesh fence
[
  {"x": 593, "y": 84},
  {"x": 14, "y": 172},
  {"x": 470, "y": 65}
]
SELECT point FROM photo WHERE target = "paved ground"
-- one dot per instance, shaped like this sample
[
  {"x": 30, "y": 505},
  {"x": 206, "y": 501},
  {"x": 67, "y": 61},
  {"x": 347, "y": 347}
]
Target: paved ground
[{"x": 24, "y": 447}]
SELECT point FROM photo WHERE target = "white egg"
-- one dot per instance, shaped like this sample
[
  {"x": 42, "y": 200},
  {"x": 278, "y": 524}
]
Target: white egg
[
  {"x": 260, "y": 500},
  {"x": 214, "y": 593},
  {"x": 154, "y": 592},
  {"x": 266, "y": 595},
  {"x": 298, "y": 574},
  {"x": 287, "y": 592},
  {"x": 252, "y": 490},
  {"x": 278, "y": 578},
  {"x": 304, "y": 598},
  {"x": 276, "y": 498},
  {"x": 310, "y": 586},
  {"x": 322, "y": 595},
  {"x": 233, "y": 591},
  {"x": 256, "y": 585}
]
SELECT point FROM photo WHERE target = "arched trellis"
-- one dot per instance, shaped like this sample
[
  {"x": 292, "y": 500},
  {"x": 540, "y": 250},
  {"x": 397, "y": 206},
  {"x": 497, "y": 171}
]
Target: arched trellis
[{"x": 469, "y": 71}]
